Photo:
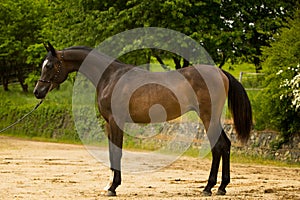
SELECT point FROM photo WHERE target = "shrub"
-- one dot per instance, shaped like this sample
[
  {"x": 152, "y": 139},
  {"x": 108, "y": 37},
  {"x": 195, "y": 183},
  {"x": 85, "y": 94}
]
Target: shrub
[{"x": 279, "y": 101}]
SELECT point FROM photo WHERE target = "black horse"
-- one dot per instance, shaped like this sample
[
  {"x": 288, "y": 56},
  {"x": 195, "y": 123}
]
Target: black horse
[{"x": 208, "y": 104}]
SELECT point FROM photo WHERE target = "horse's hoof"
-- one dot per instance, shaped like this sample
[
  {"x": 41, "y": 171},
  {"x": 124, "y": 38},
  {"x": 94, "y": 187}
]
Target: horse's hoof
[
  {"x": 206, "y": 193},
  {"x": 111, "y": 193},
  {"x": 221, "y": 192}
]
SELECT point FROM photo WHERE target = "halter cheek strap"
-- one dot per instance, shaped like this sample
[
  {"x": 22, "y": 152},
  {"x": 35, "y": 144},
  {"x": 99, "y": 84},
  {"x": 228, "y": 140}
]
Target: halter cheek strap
[
  {"x": 57, "y": 72},
  {"x": 55, "y": 76}
]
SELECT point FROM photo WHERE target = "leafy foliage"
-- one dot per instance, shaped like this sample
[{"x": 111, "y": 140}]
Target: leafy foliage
[
  {"x": 228, "y": 30},
  {"x": 281, "y": 66},
  {"x": 292, "y": 88},
  {"x": 253, "y": 24},
  {"x": 20, "y": 26}
]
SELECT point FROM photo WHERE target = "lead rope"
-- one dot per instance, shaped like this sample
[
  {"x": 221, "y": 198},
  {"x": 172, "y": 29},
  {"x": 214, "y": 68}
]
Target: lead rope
[{"x": 19, "y": 120}]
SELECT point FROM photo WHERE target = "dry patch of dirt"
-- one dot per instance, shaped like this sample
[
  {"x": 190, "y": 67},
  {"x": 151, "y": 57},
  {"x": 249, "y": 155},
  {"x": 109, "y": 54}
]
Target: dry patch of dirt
[{"x": 40, "y": 170}]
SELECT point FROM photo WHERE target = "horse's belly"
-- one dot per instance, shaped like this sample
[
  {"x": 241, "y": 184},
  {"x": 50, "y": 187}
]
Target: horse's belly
[
  {"x": 154, "y": 103},
  {"x": 156, "y": 113}
]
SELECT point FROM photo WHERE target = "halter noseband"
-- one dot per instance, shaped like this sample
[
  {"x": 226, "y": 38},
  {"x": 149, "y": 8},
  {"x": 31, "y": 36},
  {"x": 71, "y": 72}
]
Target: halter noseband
[
  {"x": 57, "y": 72},
  {"x": 44, "y": 81}
]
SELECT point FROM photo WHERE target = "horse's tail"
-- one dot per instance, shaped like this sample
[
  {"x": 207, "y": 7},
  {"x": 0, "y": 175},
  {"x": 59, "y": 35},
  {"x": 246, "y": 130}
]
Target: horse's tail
[{"x": 240, "y": 108}]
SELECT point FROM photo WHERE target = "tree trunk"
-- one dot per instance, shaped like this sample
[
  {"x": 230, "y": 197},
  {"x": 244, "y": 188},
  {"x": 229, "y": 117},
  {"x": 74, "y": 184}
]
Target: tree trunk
[
  {"x": 24, "y": 86},
  {"x": 257, "y": 64},
  {"x": 20, "y": 76},
  {"x": 186, "y": 63},
  {"x": 223, "y": 60},
  {"x": 5, "y": 83},
  {"x": 177, "y": 62}
]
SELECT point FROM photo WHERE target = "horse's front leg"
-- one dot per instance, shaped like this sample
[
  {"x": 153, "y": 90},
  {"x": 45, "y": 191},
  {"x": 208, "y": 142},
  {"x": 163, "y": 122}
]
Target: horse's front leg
[{"x": 115, "y": 136}]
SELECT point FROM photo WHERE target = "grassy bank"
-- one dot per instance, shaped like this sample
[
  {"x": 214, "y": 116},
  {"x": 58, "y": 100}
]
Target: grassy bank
[{"x": 52, "y": 120}]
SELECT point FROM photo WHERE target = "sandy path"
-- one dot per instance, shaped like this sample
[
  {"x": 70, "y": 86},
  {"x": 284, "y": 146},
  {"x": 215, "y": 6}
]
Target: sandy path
[{"x": 39, "y": 170}]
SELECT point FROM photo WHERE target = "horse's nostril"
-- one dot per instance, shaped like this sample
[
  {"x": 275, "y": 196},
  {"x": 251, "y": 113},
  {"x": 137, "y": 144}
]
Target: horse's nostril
[
  {"x": 38, "y": 94},
  {"x": 35, "y": 92}
]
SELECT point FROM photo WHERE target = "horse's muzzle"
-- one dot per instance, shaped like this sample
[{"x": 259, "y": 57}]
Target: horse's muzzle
[{"x": 40, "y": 92}]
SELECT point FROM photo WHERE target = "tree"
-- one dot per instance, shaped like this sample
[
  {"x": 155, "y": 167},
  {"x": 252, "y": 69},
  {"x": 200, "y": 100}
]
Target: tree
[
  {"x": 229, "y": 30},
  {"x": 278, "y": 101},
  {"x": 19, "y": 26},
  {"x": 254, "y": 24},
  {"x": 195, "y": 19}
]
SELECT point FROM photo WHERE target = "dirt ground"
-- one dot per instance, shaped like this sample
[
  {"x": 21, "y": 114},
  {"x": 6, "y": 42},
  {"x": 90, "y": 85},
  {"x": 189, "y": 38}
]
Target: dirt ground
[{"x": 40, "y": 170}]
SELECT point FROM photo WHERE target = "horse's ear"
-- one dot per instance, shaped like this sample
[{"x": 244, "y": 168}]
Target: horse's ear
[
  {"x": 51, "y": 49},
  {"x": 46, "y": 47}
]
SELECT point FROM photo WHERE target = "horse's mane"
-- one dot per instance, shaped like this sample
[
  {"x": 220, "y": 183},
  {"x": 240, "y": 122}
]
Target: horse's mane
[
  {"x": 88, "y": 49},
  {"x": 79, "y": 48}
]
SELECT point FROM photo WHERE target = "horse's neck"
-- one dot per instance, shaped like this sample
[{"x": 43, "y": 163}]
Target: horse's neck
[
  {"x": 73, "y": 58},
  {"x": 92, "y": 64}
]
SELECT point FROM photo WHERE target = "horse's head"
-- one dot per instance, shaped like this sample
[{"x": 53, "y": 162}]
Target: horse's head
[{"x": 53, "y": 73}]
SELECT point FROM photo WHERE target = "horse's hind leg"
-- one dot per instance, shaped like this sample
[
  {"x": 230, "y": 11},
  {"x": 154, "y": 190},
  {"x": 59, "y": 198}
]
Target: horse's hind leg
[
  {"x": 225, "y": 164},
  {"x": 221, "y": 149},
  {"x": 212, "y": 180},
  {"x": 115, "y": 136}
]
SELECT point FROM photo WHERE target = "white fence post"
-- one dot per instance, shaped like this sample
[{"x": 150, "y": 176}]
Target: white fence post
[{"x": 241, "y": 77}]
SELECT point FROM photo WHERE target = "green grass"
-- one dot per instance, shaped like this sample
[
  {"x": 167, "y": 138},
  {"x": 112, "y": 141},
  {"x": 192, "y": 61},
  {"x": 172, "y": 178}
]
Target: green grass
[
  {"x": 16, "y": 96},
  {"x": 249, "y": 159},
  {"x": 156, "y": 67},
  {"x": 51, "y": 119},
  {"x": 236, "y": 69},
  {"x": 242, "y": 158}
]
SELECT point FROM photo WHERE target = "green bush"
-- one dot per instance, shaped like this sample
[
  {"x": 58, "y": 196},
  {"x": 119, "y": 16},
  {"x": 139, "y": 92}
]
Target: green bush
[{"x": 275, "y": 102}]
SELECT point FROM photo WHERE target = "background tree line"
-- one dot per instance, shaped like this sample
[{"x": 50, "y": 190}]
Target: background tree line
[{"x": 230, "y": 30}]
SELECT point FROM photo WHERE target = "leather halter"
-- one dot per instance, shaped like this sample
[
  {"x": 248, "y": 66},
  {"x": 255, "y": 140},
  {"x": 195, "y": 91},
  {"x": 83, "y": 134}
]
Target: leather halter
[
  {"x": 57, "y": 71},
  {"x": 44, "y": 81}
]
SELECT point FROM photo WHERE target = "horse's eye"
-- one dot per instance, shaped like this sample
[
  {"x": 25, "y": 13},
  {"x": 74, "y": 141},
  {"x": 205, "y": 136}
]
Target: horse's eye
[{"x": 49, "y": 65}]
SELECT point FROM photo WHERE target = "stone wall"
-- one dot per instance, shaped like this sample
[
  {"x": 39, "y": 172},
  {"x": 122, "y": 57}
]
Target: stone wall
[
  {"x": 177, "y": 136},
  {"x": 260, "y": 144}
]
